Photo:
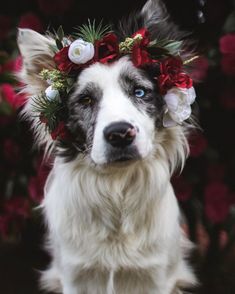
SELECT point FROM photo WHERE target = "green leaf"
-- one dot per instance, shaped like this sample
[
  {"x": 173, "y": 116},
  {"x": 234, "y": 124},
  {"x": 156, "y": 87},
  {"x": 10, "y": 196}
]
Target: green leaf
[
  {"x": 59, "y": 44},
  {"x": 53, "y": 48},
  {"x": 173, "y": 47},
  {"x": 60, "y": 33}
]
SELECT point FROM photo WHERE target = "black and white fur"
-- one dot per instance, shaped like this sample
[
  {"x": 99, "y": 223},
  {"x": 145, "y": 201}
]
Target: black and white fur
[{"x": 112, "y": 215}]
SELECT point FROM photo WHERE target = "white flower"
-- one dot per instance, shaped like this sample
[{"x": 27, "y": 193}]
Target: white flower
[
  {"x": 178, "y": 101},
  {"x": 52, "y": 93},
  {"x": 80, "y": 51}
]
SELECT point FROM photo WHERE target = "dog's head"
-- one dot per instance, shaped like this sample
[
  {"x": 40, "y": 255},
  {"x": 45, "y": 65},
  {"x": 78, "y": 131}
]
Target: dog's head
[{"x": 115, "y": 111}]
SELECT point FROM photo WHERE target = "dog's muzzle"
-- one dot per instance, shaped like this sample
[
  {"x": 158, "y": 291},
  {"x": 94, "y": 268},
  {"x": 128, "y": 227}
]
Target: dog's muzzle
[{"x": 120, "y": 137}]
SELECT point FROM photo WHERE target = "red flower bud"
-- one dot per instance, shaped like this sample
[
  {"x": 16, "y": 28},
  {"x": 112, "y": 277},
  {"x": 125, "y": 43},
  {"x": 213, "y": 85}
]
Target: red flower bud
[{"x": 107, "y": 49}]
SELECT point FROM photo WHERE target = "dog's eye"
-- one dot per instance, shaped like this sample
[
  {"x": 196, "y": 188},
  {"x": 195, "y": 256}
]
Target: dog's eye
[
  {"x": 86, "y": 100},
  {"x": 139, "y": 93}
]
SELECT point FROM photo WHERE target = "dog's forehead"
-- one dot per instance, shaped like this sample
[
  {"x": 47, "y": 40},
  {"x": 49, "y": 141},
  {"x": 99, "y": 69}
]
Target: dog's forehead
[{"x": 104, "y": 75}]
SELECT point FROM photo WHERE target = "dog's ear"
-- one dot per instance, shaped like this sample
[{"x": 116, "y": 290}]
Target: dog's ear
[
  {"x": 36, "y": 55},
  {"x": 155, "y": 18}
]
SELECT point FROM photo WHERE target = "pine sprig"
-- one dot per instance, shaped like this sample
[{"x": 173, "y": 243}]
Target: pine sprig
[
  {"x": 90, "y": 32},
  {"x": 48, "y": 110}
]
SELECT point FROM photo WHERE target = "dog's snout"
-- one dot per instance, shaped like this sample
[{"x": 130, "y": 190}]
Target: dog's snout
[{"x": 120, "y": 134}]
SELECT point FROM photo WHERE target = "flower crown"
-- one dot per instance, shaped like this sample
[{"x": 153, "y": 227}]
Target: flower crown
[{"x": 99, "y": 44}]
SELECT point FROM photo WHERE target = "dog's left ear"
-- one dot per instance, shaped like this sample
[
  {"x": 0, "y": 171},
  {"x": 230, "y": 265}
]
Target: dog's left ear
[
  {"x": 36, "y": 54},
  {"x": 155, "y": 18}
]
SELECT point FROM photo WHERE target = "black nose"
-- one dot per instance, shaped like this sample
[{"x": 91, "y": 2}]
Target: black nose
[{"x": 120, "y": 134}]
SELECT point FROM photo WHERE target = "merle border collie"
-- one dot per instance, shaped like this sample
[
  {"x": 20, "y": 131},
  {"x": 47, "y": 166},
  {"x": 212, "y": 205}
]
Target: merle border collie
[{"x": 112, "y": 215}]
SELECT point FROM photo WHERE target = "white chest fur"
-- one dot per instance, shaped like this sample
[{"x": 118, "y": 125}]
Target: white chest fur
[{"x": 115, "y": 230}]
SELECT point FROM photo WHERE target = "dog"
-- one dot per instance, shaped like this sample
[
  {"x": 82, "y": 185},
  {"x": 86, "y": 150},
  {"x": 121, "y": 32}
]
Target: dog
[{"x": 112, "y": 216}]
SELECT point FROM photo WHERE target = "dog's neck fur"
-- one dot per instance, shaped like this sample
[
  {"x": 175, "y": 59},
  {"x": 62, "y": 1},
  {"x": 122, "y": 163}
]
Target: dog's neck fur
[{"x": 121, "y": 203}]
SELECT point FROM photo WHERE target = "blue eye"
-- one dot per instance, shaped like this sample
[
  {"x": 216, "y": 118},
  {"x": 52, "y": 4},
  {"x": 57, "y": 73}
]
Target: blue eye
[{"x": 139, "y": 93}]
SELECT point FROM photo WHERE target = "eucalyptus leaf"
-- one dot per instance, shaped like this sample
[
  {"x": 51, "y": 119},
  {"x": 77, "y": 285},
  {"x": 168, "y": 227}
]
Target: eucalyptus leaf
[
  {"x": 174, "y": 47},
  {"x": 59, "y": 44},
  {"x": 53, "y": 48},
  {"x": 60, "y": 33}
]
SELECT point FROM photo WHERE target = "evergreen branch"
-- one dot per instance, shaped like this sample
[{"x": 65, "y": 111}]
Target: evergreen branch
[
  {"x": 48, "y": 109},
  {"x": 90, "y": 32}
]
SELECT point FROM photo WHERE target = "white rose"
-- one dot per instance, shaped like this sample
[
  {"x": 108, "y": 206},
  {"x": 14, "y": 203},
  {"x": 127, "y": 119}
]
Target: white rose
[
  {"x": 178, "y": 101},
  {"x": 52, "y": 93},
  {"x": 80, "y": 51}
]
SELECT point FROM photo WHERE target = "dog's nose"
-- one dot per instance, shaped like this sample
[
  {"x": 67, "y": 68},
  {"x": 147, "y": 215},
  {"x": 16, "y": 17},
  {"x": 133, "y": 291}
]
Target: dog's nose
[{"x": 120, "y": 134}]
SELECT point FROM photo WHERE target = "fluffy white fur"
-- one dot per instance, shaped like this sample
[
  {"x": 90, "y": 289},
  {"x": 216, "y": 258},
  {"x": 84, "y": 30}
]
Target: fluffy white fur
[{"x": 113, "y": 229}]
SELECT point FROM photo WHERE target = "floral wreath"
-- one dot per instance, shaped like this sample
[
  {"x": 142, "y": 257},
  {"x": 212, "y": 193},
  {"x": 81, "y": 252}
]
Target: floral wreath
[{"x": 94, "y": 44}]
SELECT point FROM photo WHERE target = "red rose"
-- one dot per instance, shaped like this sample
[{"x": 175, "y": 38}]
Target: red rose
[
  {"x": 198, "y": 144},
  {"x": 228, "y": 64},
  {"x": 140, "y": 55},
  {"x": 171, "y": 75},
  {"x": 183, "y": 189},
  {"x": 5, "y": 26},
  {"x": 217, "y": 202},
  {"x": 60, "y": 132},
  {"x": 107, "y": 49},
  {"x": 31, "y": 21},
  {"x": 54, "y": 7},
  {"x": 227, "y": 44},
  {"x": 63, "y": 62}
]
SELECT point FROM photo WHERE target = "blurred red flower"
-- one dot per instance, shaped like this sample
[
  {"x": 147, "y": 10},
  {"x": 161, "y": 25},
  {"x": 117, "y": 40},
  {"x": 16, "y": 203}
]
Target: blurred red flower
[
  {"x": 202, "y": 239},
  {"x": 227, "y": 98},
  {"x": 17, "y": 206},
  {"x": 11, "y": 150},
  {"x": 228, "y": 64},
  {"x": 227, "y": 44},
  {"x": 5, "y": 26},
  {"x": 51, "y": 7},
  {"x": 198, "y": 144},
  {"x": 36, "y": 183},
  {"x": 13, "y": 65},
  {"x": 217, "y": 202},
  {"x": 14, "y": 99},
  {"x": 227, "y": 48},
  {"x": 4, "y": 225},
  {"x": 182, "y": 188},
  {"x": 200, "y": 69},
  {"x": 31, "y": 21}
]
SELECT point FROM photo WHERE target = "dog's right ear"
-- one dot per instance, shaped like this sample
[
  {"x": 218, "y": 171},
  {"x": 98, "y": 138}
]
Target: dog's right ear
[{"x": 36, "y": 55}]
